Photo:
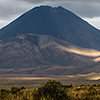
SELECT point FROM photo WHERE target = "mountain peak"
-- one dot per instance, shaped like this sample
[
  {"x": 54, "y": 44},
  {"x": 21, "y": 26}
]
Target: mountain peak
[
  {"x": 47, "y": 6},
  {"x": 55, "y": 21}
]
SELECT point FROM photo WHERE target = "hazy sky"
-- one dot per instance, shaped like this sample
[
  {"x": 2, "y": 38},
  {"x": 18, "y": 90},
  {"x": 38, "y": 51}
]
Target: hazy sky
[{"x": 86, "y": 9}]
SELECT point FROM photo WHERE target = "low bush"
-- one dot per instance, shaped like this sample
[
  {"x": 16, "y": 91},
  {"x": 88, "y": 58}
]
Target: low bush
[{"x": 53, "y": 89}]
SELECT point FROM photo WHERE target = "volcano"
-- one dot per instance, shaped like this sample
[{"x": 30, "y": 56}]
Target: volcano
[
  {"x": 57, "y": 22},
  {"x": 49, "y": 39}
]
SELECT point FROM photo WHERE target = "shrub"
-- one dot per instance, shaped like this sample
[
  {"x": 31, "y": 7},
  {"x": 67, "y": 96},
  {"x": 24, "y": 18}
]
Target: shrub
[
  {"x": 14, "y": 90},
  {"x": 92, "y": 90},
  {"x": 82, "y": 85},
  {"x": 53, "y": 89},
  {"x": 22, "y": 88},
  {"x": 94, "y": 85},
  {"x": 68, "y": 86}
]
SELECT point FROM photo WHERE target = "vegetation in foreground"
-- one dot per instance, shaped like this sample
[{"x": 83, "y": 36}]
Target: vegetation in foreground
[{"x": 53, "y": 90}]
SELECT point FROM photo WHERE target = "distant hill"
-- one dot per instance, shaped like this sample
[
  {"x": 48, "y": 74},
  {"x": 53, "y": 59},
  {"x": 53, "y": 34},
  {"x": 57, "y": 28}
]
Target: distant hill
[{"x": 57, "y": 22}]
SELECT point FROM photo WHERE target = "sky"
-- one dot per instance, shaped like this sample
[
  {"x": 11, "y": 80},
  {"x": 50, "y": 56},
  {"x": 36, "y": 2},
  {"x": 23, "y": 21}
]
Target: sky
[{"x": 88, "y": 10}]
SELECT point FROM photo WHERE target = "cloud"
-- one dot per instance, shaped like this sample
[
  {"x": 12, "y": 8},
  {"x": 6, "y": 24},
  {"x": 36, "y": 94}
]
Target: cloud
[
  {"x": 84, "y": 8},
  {"x": 40, "y": 1},
  {"x": 12, "y": 7},
  {"x": 3, "y": 22},
  {"x": 94, "y": 21}
]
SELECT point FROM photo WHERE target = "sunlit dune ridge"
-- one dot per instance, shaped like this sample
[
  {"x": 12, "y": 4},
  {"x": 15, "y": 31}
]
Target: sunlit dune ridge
[
  {"x": 28, "y": 78},
  {"x": 96, "y": 59},
  {"x": 94, "y": 78},
  {"x": 82, "y": 51},
  {"x": 90, "y": 76},
  {"x": 85, "y": 75}
]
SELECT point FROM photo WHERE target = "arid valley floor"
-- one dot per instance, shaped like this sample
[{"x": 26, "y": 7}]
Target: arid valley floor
[{"x": 32, "y": 81}]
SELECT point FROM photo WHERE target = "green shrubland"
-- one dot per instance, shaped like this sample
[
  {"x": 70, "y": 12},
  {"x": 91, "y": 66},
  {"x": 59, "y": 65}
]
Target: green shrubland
[{"x": 53, "y": 90}]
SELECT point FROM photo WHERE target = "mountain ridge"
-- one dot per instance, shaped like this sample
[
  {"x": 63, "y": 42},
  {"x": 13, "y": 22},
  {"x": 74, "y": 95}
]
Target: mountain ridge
[{"x": 23, "y": 51}]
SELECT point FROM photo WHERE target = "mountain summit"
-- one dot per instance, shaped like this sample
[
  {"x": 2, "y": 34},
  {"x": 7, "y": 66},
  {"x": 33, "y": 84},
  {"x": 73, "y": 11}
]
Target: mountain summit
[{"x": 57, "y": 22}]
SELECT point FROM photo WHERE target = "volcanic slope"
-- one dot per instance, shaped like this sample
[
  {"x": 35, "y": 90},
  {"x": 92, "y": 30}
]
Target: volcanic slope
[{"x": 42, "y": 54}]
